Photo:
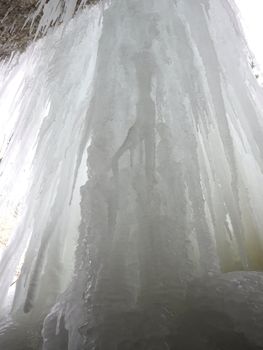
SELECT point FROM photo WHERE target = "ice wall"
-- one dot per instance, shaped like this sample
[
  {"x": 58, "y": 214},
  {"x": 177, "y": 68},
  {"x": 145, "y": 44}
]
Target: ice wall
[
  {"x": 45, "y": 100},
  {"x": 147, "y": 114}
]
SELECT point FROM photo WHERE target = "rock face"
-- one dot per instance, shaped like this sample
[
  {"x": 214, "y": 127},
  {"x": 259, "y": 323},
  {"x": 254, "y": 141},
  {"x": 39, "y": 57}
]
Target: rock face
[
  {"x": 14, "y": 33},
  {"x": 16, "y": 29}
]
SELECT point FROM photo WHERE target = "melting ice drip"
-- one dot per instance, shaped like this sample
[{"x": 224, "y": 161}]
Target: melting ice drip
[{"x": 147, "y": 114}]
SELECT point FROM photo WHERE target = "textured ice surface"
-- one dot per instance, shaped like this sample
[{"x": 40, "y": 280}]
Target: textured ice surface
[
  {"x": 236, "y": 297},
  {"x": 135, "y": 139}
]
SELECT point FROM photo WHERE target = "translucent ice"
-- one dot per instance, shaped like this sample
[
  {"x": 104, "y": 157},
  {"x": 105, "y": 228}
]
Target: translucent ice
[{"x": 136, "y": 131}]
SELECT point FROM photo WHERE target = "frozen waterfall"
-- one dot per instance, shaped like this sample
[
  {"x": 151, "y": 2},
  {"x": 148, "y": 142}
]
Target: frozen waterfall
[{"x": 131, "y": 153}]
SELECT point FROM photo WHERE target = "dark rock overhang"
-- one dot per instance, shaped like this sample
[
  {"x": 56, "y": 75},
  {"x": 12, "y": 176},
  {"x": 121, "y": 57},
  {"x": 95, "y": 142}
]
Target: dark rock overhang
[
  {"x": 14, "y": 33},
  {"x": 16, "y": 28}
]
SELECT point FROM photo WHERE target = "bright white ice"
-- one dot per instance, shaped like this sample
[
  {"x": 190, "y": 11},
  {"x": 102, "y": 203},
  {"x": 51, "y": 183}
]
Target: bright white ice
[{"x": 132, "y": 153}]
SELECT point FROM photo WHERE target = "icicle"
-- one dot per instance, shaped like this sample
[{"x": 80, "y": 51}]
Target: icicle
[{"x": 134, "y": 137}]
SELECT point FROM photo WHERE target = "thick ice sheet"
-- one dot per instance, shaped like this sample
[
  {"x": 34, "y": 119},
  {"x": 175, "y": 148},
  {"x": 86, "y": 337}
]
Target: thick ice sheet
[
  {"x": 148, "y": 115},
  {"x": 40, "y": 154}
]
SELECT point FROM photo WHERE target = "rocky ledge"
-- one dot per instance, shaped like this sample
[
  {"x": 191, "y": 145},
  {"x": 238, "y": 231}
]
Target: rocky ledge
[
  {"x": 15, "y": 28},
  {"x": 14, "y": 33}
]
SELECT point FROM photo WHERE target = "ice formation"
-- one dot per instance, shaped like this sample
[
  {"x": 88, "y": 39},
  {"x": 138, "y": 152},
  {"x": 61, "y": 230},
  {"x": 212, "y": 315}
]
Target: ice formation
[{"x": 132, "y": 151}]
